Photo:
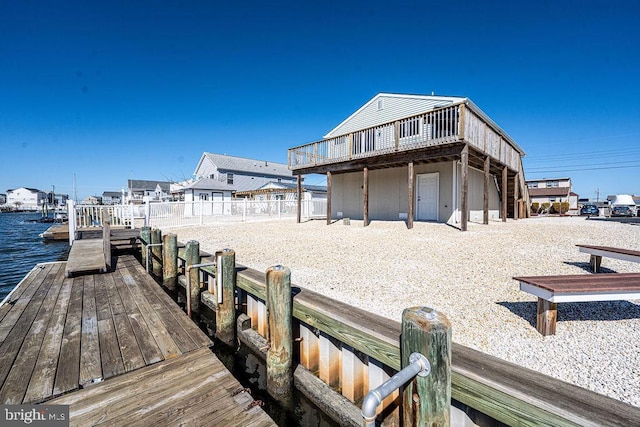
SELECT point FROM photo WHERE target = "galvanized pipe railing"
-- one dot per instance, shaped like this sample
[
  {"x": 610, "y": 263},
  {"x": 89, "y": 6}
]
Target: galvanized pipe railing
[
  {"x": 418, "y": 365},
  {"x": 188, "y": 290}
]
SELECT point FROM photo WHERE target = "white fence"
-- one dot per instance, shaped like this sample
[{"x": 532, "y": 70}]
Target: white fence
[{"x": 182, "y": 214}]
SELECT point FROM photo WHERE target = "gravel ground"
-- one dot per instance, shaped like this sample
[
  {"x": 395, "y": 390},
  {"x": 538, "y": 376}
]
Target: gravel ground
[{"x": 468, "y": 276}]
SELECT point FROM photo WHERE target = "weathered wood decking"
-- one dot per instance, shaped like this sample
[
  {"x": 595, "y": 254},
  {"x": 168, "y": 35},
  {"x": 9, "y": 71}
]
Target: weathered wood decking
[
  {"x": 86, "y": 256},
  {"x": 60, "y": 334}
]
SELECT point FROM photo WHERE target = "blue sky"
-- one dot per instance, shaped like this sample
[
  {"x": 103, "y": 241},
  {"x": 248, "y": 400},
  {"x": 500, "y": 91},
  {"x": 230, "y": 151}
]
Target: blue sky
[{"x": 108, "y": 91}]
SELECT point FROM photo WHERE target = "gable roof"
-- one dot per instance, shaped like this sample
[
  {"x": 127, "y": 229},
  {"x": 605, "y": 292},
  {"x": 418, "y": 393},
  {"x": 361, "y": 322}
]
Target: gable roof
[
  {"x": 141, "y": 184},
  {"x": 111, "y": 194},
  {"x": 397, "y": 106},
  {"x": 246, "y": 166},
  {"x": 553, "y": 191},
  {"x": 208, "y": 184}
]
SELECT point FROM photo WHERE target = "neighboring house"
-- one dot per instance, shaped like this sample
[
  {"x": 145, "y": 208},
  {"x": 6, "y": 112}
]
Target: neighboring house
[
  {"x": 92, "y": 200},
  {"x": 553, "y": 190},
  {"x": 240, "y": 173},
  {"x": 112, "y": 197},
  {"x": 26, "y": 198},
  {"x": 417, "y": 157},
  {"x": 210, "y": 192},
  {"x": 284, "y": 191},
  {"x": 141, "y": 190}
]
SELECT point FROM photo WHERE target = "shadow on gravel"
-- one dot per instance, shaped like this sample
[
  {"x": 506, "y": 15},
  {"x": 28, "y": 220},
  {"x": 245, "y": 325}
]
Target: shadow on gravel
[
  {"x": 567, "y": 311},
  {"x": 586, "y": 267}
]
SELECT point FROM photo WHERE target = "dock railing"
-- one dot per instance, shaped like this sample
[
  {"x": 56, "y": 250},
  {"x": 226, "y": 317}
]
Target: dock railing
[{"x": 340, "y": 352}]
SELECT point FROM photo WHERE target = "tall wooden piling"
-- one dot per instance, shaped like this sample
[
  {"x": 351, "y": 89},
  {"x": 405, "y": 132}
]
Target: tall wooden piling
[
  {"x": 192, "y": 257},
  {"x": 225, "y": 311},
  {"x": 156, "y": 252},
  {"x": 280, "y": 353},
  {"x": 427, "y": 400},
  {"x": 170, "y": 260},
  {"x": 145, "y": 238}
]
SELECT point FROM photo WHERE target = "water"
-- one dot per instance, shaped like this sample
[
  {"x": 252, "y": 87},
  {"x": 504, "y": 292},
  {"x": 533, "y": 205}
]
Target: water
[{"x": 21, "y": 248}]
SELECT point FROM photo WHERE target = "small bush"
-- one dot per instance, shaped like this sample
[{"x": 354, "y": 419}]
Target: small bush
[{"x": 535, "y": 206}]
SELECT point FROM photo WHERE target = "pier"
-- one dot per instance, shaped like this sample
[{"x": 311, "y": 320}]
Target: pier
[{"x": 115, "y": 347}]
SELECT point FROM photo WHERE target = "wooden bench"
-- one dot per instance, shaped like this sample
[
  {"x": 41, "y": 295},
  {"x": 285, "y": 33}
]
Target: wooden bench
[
  {"x": 552, "y": 290},
  {"x": 597, "y": 252}
]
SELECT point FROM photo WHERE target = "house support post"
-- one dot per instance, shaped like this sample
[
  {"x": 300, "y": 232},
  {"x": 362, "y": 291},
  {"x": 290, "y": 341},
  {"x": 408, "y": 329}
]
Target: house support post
[
  {"x": 515, "y": 196},
  {"x": 464, "y": 209},
  {"x": 504, "y": 195},
  {"x": 410, "y": 191},
  {"x": 280, "y": 335},
  {"x": 328, "y": 198},
  {"x": 365, "y": 196},
  {"x": 485, "y": 204},
  {"x": 299, "y": 195},
  {"x": 426, "y": 400}
]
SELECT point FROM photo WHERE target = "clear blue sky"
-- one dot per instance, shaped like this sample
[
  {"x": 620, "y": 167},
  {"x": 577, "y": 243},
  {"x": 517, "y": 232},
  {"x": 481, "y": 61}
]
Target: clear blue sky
[{"x": 112, "y": 90}]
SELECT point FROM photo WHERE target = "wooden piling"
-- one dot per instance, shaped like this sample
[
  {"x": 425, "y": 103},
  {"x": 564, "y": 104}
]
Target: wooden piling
[
  {"x": 427, "y": 400},
  {"x": 156, "y": 252},
  {"x": 169, "y": 260},
  {"x": 225, "y": 312},
  {"x": 280, "y": 353},
  {"x": 145, "y": 239},
  {"x": 192, "y": 257}
]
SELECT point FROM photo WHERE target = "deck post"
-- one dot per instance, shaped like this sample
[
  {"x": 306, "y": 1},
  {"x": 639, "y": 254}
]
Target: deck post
[
  {"x": 464, "y": 208},
  {"x": 145, "y": 239},
  {"x": 169, "y": 260},
  {"x": 515, "y": 196},
  {"x": 504, "y": 195},
  {"x": 299, "y": 198},
  {"x": 156, "y": 252},
  {"x": 365, "y": 196},
  {"x": 106, "y": 240},
  {"x": 225, "y": 310},
  {"x": 328, "y": 198},
  {"x": 410, "y": 194},
  {"x": 485, "y": 200},
  {"x": 426, "y": 400},
  {"x": 280, "y": 335},
  {"x": 192, "y": 257}
]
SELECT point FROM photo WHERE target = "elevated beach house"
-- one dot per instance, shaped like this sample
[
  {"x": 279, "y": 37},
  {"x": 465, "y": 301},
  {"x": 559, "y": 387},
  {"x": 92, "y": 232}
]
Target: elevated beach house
[
  {"x": 417, "y": 157},
  {"x": 26, "y": 198}
]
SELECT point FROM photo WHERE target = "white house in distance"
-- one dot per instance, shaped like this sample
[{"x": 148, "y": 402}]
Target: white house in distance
[
  {"x": 418, "y": 157},
  {"x": 139, "y": 190},
  {"x": 239, "y": 173},
  {"x": 553, "y": 190},
  {"x": 26, "y": 198}
]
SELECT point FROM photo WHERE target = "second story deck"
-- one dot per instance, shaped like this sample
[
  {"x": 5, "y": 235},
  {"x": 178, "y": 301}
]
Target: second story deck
[{"x": 439, "y": 128}]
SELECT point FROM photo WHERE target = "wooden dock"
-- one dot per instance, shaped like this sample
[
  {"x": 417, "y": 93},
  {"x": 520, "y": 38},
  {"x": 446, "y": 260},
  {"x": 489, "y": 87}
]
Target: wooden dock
[
  {"x": 114, "y": 337},
  {"x": 86, "y": 256}
]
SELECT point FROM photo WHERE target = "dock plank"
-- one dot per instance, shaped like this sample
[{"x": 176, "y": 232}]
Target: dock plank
[
  {"x": 110, "y": 356},
  {"x": 68, "y": 372},
  {"x": 90, "y": 369},
  {"x": 12, "y": 344},
  {"x": 122, "y": 302},
  {"x": 17, "y": 381},
  {"x": 41, "y": 385},
  {"x": 192, "y": 389},
  {"x": 167, "y": 345},
  {"x": 85, "y": 256},
  {"x": 168, "y": 304}
]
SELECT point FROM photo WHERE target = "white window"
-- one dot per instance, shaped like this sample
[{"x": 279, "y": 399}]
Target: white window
[
  {"x": 380, "y": 104},
  {"x": 204, "y": 196}
]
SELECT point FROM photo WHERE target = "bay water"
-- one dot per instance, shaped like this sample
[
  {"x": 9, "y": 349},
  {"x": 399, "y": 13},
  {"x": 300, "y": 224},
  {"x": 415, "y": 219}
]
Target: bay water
[{"x": 21, "y": 247}]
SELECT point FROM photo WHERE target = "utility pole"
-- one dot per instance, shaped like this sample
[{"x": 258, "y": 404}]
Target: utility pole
[{"x": 597, "y": 195}]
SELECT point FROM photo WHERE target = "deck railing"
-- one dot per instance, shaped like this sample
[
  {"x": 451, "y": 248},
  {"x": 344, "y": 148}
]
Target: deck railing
[{"x": 455, "y": 123}]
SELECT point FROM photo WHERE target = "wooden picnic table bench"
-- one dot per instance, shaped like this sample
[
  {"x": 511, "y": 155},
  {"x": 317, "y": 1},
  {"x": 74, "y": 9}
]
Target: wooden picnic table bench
[
  {"x": 552, "y": 290},
  {"x": 597, "y": 252}
]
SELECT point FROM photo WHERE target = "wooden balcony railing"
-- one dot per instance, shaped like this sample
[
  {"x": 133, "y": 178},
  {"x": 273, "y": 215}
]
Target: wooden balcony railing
[{"x": 455, "y": 123}]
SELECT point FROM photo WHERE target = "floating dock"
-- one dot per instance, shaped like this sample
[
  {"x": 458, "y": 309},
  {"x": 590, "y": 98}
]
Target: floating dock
[{"x": 117, "y": 349}]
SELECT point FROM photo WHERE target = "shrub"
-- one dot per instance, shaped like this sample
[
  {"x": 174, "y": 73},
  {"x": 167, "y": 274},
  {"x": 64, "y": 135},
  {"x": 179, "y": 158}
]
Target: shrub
[{"x": 535, "y": 206}]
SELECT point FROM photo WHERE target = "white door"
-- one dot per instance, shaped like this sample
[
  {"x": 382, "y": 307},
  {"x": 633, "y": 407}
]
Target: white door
[{"x": 427, "y": 196}]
